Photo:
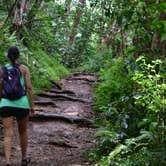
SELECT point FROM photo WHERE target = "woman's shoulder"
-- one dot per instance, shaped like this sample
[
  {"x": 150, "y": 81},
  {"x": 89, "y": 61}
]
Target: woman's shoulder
[
  {"x": 24, "y": 68},
  {"x": 0, "y": 71},
  {"x": 1, "y": 68}
]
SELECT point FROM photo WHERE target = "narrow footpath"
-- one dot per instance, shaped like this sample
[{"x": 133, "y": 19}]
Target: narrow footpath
[{"x": 61, "y": 132}]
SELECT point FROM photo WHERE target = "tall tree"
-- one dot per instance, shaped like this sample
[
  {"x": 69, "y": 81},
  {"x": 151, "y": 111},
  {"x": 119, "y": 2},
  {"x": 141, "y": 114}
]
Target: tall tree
[
  {"x": 25, "y": 8},
  {"x": 157, "y": 43},
  {"x": 86, "y": 32},
  {"x": 10, "y": 12},
  {"x": 37, "y": 4},
  {"x": 19, "y": 11},
  {"x": 79, "y": 11},
  {"x": 67, "y": 10}
]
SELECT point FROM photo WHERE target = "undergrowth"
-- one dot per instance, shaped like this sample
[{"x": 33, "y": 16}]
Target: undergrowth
[
  {"x": 131, "y": 100},
  {"x": 43, "y": 67}
]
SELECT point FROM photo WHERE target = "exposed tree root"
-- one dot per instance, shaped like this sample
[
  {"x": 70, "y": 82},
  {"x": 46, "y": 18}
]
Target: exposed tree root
[
  {"x": 41, "y": 116},
  {"x": 62, "y": 92},
  {"x": 81, "y": 78},
  {"x": 56, "y": 85},
  {"x": 63, "y": 97},
  {"x": 50, "y": 103},
  {"x": 62, "y": 143},
  {"x": 85, "y": 73}
]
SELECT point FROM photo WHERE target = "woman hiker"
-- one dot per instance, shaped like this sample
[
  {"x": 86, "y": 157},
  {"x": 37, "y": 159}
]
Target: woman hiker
[{"x": 16, "y": 102}]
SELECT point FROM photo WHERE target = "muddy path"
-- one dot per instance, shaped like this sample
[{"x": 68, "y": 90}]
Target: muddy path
[{"x": 61, "y": 133}]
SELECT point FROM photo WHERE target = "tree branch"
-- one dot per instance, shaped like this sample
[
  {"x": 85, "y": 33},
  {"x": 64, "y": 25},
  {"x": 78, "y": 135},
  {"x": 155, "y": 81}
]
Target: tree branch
[{"x": 8, "y": 16}]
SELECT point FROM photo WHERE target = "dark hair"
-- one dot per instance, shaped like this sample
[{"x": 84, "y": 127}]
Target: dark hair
[{"x": 13, "y": 54}]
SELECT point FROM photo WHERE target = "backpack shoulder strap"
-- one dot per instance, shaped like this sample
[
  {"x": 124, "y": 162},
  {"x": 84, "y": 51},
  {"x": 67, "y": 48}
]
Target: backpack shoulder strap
[
  {"x": 4, "y": 68},
  {"x": 4, "y": 72},
  {"x": 17, "y": 65}
]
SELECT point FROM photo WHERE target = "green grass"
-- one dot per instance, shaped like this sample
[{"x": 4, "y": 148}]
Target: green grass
[{"x": 45, "y": 68}]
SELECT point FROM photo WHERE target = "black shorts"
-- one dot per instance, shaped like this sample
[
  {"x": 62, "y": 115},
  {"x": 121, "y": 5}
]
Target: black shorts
[{"x": 12, "y": 111}]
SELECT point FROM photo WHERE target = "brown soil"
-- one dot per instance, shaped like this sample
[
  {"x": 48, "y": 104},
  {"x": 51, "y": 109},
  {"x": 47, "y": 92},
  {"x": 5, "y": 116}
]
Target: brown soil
[{"x": 61, "y": 133}]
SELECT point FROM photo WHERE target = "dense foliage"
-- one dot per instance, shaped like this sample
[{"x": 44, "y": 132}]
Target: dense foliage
[
  {"x": 33, "y": 45},
  {"x": 133, "y": 104},
  {"x": 122, "y": 40},
  {"x": 131, "y": 96},
  {"x": 39, "y": 62}
]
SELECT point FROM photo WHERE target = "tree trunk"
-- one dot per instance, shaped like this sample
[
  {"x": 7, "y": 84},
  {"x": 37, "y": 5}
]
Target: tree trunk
[
  {"x": 77, "y": 18},
  {"x": 110, "y": 42},
  {"x": 156, "y": 41},
  {"x": 109, "y": 35},
  {"x": 85, "y": 35},
  {"x": 163, "y": 43},
  {"x": 18, "y": 16},
  {"x": 31, "y": 14},
  {"x": 22, "y": 6},
  {"x": 10, "y": 11},
  {"x": 122, "y": 45},
  {"x": 67, "y": 9},
  {"x": 100, "y": 40}
]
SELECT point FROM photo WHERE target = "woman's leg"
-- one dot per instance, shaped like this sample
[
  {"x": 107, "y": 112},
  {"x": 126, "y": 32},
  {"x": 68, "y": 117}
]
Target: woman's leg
[
  {"x": 8, "y": 133},
  {"x": 23, "y": 133}
]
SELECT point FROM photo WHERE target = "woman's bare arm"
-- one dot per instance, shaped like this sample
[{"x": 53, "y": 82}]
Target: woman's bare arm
[
  {"x": 0, "y": 83},
  {"x": 28, "y": 84}
]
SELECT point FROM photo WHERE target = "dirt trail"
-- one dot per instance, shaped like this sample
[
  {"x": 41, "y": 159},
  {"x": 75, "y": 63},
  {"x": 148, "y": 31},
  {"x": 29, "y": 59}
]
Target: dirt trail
[{"x": 61, "y": 134}]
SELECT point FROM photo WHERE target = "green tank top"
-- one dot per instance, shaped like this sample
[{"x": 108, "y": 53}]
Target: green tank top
[{"x": 22, "y": 102}]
